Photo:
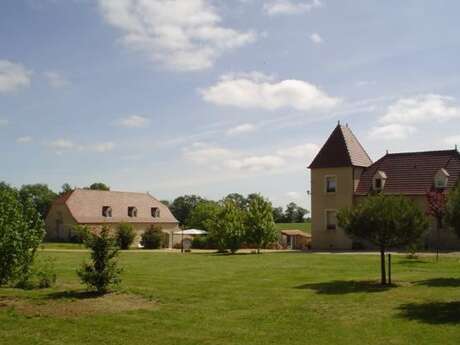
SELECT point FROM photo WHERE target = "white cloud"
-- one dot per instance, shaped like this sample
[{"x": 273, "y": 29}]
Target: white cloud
[
  {"x": 56, "y": 80},
  {"x": 133, "y": 121},
  {"x": 392, "y": 132},
  {"x": 183, "y": 35},
  {"x": 203, "y": 153},
  {"x": 305, "y": 151},
  {"x": 453, "y": 140},
  {"x": 3, "y": 122},
  {"x": 13, "y": 76},
  {"x": 101, "y": 147},
  {"x": 24, "y": 140},
  {"x": 316, "y": 38},
  {"x": 423, "y": 108},
  {"x": 247, "y": 92},
  {"x": 63, "y": 145},
  {"x": 241, "y": 129},
  {"x": 219, "y": 158},
  {"x": 256, "y": 163},
  {"x": 290, "y": 7},
  {"x": 294, "y": 195}
]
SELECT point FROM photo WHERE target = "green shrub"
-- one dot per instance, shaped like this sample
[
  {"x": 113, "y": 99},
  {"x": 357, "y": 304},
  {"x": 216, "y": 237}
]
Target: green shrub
[
  {"x": 79, "y": 234},
  {"x": 21, "y": 232},
  {"x": 152, "y": 238},
  {"x": 42, "y": 275},
  {"x": 200, "y": 242},
  {"x": 125, "y": 236},
  {"x": 102, "y": 272}
]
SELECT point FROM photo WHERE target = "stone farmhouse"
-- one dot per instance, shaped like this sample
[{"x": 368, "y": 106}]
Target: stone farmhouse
[
  {"x": 96, "y": 208},
  {"x": 342, "y": 174}
]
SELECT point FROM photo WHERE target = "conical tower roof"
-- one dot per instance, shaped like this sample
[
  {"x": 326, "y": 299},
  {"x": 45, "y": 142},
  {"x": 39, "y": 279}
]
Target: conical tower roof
[{"x": 341, "y": 149}]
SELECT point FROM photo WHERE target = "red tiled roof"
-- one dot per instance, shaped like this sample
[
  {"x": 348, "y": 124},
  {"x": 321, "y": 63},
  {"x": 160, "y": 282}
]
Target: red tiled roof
[
  {"x": 341, "y": 149},
  {"x": 411, "y": 173}
]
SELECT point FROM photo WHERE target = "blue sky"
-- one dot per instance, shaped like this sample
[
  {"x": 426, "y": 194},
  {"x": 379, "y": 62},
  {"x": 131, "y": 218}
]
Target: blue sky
[{"x": 212, "y": 96}]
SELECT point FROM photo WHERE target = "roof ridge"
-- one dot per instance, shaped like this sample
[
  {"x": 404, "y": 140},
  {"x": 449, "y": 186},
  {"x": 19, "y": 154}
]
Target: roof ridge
[{"x": 420, "y": 152}]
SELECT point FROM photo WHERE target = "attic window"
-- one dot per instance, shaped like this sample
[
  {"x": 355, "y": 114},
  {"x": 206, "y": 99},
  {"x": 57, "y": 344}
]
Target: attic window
[
  {"x": 155, "y": 212},
  {"x": 132, "y": 212},
  {"x": 441, "y": 178},
  {"x": 378, "y": 182},
  {"x": 106, "y": 211}
]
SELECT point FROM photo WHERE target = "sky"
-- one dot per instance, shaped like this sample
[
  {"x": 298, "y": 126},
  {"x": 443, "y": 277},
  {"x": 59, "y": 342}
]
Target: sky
[{"x": 212, "y": 97}]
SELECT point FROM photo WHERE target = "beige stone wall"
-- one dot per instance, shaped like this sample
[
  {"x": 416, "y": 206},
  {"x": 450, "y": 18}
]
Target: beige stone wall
[
  {"x": 323, "y": 238},
  {"x": 60, "y": 223}
]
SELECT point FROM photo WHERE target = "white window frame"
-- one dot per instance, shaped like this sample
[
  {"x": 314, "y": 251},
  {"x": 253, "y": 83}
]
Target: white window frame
[
  {"x": 326, "y": 177},
  {"x": 326, "y": 220}
]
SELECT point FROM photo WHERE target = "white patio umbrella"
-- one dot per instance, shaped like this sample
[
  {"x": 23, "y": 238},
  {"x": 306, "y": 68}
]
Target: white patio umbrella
[{"x": 191, "y": 232}]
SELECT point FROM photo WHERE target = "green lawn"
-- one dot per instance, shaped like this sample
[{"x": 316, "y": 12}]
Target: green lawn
[
  {"x": 278, "y": 298},
  {"x": 299, "y": 226}
]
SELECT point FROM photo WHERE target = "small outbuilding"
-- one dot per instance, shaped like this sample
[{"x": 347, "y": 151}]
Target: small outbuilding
[{"x": 296, "y": 239}]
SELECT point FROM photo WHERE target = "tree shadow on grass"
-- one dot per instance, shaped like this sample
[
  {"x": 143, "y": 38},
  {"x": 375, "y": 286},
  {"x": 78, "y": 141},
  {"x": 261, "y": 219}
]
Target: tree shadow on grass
[
  {"x": 339, "y": 287},
  {"x": 76, "y": 294},
  {"x": 433, "y": 312},
  {"x": 411, "y": 262},
  {"x": 440, "y": 282}
]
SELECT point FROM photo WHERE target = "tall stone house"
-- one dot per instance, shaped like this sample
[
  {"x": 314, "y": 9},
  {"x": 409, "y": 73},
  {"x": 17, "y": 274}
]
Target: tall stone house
[
  {"x": 342, "y": 174},
  {"x": 96, "y": 209}
]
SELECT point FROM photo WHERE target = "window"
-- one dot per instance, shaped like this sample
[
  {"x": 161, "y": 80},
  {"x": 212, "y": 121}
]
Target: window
[
  {"x": 331, "y": 220},
  {"x": 132, "y": 211},
  {"x": 331, "y": 184},
  {"x": 441, "y": 178},
  {"x": 155, "y": 212},
  {"x": 107, "y": 211},
  {"x": 378, "y": 181}
]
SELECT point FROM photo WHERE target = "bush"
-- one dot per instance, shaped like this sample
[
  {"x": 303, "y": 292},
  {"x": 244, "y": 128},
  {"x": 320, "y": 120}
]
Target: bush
[
  {"x": 103, "y": 271},
  {"x": 152, "y": 238},
  {"x": 21, "y": 232},
  {"x": 79, "y": 234},
  {"x": 125, "y": 236},
  {"x": 200, "y": 242},
  {"x": 42, "y": 275}
]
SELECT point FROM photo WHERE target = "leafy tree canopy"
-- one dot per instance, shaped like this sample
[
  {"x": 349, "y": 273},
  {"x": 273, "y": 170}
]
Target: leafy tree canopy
[
  {"x": 98, "y": 186},
  {"x": 260, "y": 228},
  {"x": 453, "y": 210},
  {"x": 40, "y": 195}
]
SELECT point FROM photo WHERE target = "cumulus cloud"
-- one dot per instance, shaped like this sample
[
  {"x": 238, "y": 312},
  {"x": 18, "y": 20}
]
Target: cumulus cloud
[
  {"x": 3, "y": 122},
  {"x": 133, "y": 121},
  {"x": 202, "y": 153},
  {"x": 56, "y": 80},
  {"x": 24, "y": 140},
  {"x": 183, "y": 35},
  {"x": 289, "y": 7},
  {"x": 294, "y": 195},
  {"x": 13, "y": 76},
  {"x": 422, "y": 108},
  {"x": 391, "y": 132},
  {"x": 316, "y": 38},
  {"x": 241, "y": 129},
  {"x": 249, "y": 92}
]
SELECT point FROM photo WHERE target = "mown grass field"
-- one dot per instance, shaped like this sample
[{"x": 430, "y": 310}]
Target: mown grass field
[
  {"x": 276, "y": 298},
  {"x": 299, "y": 226}
]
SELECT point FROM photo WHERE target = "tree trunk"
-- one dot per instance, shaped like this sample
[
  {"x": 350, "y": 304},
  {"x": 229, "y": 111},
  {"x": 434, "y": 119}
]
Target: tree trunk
[{"x": 383, "y": 279}]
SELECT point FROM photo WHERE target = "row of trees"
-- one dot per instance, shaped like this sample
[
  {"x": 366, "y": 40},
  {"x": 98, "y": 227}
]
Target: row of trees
[
  {"x": 188, "y": 208},
  {"x": 389, "y": 221}
]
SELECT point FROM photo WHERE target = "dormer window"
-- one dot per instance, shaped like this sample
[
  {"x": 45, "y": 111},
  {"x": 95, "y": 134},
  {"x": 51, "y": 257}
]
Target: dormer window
[
  {"x": 331, "y": 184},
  {"x": 132, "y": 212},
  {"x": 378, "y": 182},
  {"x": 155, "y": 212},
  {"x": 106, "y": 211},
  {"x": 441, "y": 178}
]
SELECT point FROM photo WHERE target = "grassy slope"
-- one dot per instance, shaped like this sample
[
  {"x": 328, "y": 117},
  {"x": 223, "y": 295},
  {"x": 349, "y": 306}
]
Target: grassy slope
[
  {"x": 279, "y": 298},
  {"x": 300, "y": 226}
]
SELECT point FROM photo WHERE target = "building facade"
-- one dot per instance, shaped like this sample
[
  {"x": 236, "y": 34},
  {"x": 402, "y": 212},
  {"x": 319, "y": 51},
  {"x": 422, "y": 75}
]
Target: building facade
[
  {"x": 342, "y": 174},
  {"x": 96, "y": 209}
]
